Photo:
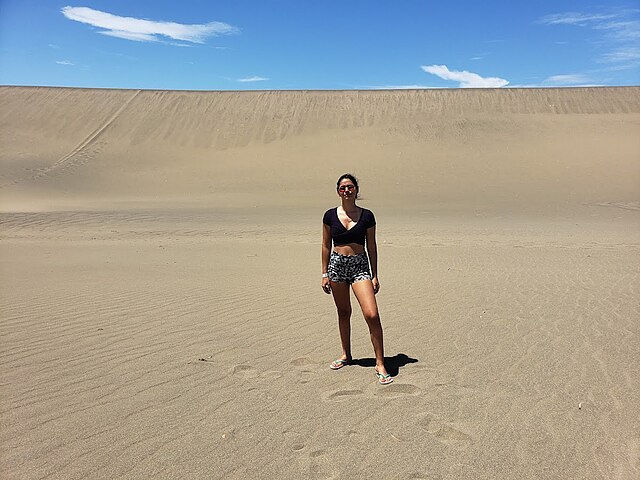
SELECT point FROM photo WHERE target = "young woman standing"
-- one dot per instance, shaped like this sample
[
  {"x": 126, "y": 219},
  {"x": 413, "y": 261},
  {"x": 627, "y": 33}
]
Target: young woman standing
[{"x": 350, "y": 228}]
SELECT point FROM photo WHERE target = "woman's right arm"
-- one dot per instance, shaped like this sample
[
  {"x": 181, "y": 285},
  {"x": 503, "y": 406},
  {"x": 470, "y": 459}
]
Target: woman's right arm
[{"x": 326, "y": 252}]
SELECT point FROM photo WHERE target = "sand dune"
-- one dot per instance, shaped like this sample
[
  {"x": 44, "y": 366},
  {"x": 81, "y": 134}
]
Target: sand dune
[
  {"x": 160, "y": 294},
  {"x": 544, "y": 148}
]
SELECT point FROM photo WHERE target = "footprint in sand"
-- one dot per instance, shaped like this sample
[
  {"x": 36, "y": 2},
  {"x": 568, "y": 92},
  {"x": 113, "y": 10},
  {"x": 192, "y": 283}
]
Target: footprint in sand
[
  {"x": 246, "y": 371},
  {"x": 316, "y": 463},
  {"x": 294, "y": 441},
  {"x": 340, "y": 395},
  {"x": 304, "y": 375},
  {"x": 301, "y": 361},
  {"x": 396, "y": 390},
  {"x": 443, "y": 431},
  {"x": 271, "y": 374},
  {"x": 320, "y": 465}
]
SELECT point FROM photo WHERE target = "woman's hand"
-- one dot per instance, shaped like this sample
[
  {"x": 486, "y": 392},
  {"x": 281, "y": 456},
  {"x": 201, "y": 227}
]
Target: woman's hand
[
  {"x": 326, "y": 285},
  {"x": 376, "y": 285}
]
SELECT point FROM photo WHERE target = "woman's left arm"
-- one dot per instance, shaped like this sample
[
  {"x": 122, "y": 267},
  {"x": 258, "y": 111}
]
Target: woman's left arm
[{"x": 372, "y": 249}]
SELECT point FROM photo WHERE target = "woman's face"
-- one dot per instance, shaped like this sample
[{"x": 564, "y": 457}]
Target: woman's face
[{"x": 347, "y": 189}]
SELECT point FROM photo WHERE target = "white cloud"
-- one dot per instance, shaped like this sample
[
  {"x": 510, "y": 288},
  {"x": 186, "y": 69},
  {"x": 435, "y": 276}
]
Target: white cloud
[
  {"x": 575, "y": 18},
  {"x": 142, "y": 30},
  {"x": 64, "y": 62},
  {"x": 137, "y": 37},
  {"x": 630, "y": 54},
  {"x": 465, "y": 79},
  {"x": 622, "y": 31},
  {"x": 252, "y": 79},
  {"x": 618, "y": 33},
  {"x": 572, "y": 79}
]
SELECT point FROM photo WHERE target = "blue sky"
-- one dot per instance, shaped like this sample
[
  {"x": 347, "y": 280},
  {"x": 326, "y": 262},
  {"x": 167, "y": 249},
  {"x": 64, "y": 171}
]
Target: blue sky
[{"x": 328, "y": 45}]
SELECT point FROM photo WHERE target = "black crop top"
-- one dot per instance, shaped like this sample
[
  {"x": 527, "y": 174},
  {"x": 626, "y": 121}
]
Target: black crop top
[{"x": 356, "y": 234}]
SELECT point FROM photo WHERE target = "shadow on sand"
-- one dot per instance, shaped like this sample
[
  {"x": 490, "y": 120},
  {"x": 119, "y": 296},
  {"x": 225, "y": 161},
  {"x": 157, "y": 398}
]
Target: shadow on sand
[{"x": 393, "y": 364}]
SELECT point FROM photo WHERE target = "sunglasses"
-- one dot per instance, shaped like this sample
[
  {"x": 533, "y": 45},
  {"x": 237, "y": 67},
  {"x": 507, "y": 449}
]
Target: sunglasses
[{"x": 342, "y": 188}]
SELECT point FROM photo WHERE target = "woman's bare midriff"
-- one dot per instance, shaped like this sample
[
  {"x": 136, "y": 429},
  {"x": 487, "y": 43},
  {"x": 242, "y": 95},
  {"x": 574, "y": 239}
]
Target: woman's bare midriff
[{"x": 349, "y": 249}]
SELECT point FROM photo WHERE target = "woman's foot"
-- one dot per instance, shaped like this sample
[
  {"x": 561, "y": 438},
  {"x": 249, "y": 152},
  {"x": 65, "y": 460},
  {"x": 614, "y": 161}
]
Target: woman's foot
[
  {"x": 383, "y": 377},
  {"x": 338, "y": 363}
]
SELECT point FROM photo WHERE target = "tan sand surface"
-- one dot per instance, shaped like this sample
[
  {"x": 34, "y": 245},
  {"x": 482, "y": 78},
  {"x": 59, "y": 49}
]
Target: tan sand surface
[{"x": 161, "y": 310}]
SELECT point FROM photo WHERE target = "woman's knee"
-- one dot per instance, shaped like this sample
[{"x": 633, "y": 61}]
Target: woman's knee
[
  {"x": 344, "y": 312},
  {"x": 373, "y": 318}
]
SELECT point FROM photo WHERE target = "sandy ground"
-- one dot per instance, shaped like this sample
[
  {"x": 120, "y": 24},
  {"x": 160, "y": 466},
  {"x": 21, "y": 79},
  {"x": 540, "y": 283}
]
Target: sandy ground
[{"x": 160, "y": 290}]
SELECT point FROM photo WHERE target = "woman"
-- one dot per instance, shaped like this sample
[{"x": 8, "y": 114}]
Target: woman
[{"x": 350, "y": 227}]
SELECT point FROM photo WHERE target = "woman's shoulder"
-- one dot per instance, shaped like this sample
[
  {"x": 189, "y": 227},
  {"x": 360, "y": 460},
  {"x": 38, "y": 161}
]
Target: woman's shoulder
[
  {"x": 329, "y": 215},
  {"x": 368, "y": 216},
  {"x": 367, "y": 212},
  {"x": 331, "y": 211}
]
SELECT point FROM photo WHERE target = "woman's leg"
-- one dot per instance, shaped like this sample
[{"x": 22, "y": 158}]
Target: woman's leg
[
  {"x": 367, "y": 300},
  {"x": 341, "y": 296}
]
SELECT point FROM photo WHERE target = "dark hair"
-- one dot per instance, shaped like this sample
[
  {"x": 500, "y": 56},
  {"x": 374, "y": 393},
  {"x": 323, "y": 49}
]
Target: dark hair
[{"x": 348, "y": 176}]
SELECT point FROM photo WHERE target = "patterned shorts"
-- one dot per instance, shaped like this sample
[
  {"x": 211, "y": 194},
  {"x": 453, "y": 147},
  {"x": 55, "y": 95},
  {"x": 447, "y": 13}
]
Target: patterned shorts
[{"x": 349, "y": 268}]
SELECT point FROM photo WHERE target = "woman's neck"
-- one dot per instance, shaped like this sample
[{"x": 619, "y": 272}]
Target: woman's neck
[{"x": 349, "y": 205}]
